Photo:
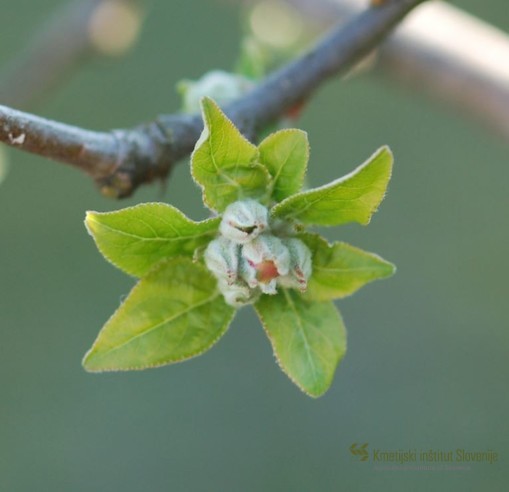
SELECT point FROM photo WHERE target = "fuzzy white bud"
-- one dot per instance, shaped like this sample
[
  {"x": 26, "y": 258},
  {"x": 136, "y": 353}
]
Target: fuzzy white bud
[
  {"x": 243, "y": 221},
  {"x": 249, "y": 259},
  {"x": 267, "y": 248},
  {"x": 221, "y": 86},
  {"x": 262, "y": 261},
  {"x": 300, "y": 265},
  {"x": 247, "y": 271},
  {"x": 237, "y": 294},
  {"x": 269, "y": 287},
  {"x": 222, "y": 259}
]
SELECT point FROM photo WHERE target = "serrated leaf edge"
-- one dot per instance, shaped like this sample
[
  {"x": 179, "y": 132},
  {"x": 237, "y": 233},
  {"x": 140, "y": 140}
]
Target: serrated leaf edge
[
  {"x": 169, "y": 361},
  {"x": 329, "y": 245},
  {"x": 285, "y": 371},
  {"x": 340, "y": 180},
  {"x": 204, "y": 136},
  {"x": 308, "y": 151},
  {"x": 91, "y": 213}
]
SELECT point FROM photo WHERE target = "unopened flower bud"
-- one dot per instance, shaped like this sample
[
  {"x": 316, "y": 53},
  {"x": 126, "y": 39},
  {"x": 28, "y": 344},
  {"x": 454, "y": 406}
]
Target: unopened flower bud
[
  {"x": 237, "y": 294},
  {"x": 262, "y": 275},
  {"x": 243, "y": 221},
  {"x": 221, "y": 86},
  {"x": 263, "y": 260},
  {"x": 222, "y": 259},
  {"x": 269, "y": 287},
  {"x": 300, "y": 265},
  {"x": 281, "y": 227}
]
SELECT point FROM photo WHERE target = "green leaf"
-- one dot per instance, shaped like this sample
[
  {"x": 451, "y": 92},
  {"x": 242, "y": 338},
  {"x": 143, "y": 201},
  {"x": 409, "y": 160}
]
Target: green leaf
[
  {"x": 308, "y": 338},
  {"x": 135, "y": 239},
  {"x": 172, "y": 314},
  {"x": 224, "y": 163},
  {"x": 285, "y": 154},
  {"x": 340, "y": 269},
  {"x": 352, "y": 198}
]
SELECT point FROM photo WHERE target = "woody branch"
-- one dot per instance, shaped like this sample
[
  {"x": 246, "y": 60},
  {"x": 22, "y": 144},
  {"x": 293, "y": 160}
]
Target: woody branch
[{"x": 121, "y": 160}]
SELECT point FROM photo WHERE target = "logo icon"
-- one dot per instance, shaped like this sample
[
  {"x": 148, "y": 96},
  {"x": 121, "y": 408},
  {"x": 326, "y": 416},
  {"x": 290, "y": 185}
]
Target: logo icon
[{"x": 360, "y": 450}]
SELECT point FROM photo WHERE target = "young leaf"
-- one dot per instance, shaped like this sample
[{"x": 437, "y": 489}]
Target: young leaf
[
  {"x": 285, "y": 154},
  {"x": 224, "y": 163},
  {"x": 340, "y": 269},
  {"x": 352, "y": 198},
  {"x": 135, "y": 239},
  {"x": 172, "y": 314},
  {"x": 308, "y": 338}
]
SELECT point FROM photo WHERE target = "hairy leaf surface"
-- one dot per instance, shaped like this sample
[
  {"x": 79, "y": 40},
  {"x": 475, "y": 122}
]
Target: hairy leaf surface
[
  {"x": 352, "y": 198},
  {"x": 172, "y": 314},
  {"x": 135, "y": 239},
  {"x": 308, "y": 338},
  {"x": 340, "y": 269},
  {"x": 224, "y": 163},
  {"x": 285, "y": 154}
]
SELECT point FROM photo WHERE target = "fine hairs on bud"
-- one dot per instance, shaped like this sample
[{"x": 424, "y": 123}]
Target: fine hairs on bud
[
  {"x": 237, "y": 294},
  {"x": 243, "y": 221},
  {"x": 222, "y": 259},
  {"x": 248, "y": 259},
  {"x": 223, "y": 87},
  {"x": 300, "y": 265},
  {"x": 267, "y": 248},
  {"x": 250, "y": 273}
]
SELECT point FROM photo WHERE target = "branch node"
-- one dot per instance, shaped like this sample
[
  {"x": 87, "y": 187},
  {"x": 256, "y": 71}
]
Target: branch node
[
  {"x": 145, "y": 153},
  {"x": 121, "y": 160}
]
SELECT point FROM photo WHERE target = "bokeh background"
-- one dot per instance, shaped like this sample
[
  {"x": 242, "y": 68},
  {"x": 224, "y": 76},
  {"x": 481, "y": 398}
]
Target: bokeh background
[{"x": 427, "y": 364}]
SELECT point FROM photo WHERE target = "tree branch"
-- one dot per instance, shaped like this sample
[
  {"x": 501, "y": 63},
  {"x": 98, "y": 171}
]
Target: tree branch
[
  {"x": 119, "y": 161},
  {"x": 461, "y": 61}
]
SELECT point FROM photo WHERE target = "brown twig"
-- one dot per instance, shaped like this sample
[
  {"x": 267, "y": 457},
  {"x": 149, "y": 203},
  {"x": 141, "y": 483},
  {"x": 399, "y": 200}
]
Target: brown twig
[{"x": 120, "y": 161}]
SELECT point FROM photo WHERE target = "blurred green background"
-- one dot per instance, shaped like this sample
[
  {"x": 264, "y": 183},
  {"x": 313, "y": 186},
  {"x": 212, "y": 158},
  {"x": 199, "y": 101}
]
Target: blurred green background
[{"x": 427, "y": 363}]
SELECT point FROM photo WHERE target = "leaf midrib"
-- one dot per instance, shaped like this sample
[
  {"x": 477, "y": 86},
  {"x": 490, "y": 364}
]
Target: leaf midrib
[
  {"x": 157, "y": 238},
  {"x": 303, "y": 335},
  {"x": 158, "y": 325}
]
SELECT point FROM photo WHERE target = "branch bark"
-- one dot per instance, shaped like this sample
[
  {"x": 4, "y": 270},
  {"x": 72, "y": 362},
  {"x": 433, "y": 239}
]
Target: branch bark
[
  {"x": 455, "y": 58},
  {"x": 121, "y": 160}
]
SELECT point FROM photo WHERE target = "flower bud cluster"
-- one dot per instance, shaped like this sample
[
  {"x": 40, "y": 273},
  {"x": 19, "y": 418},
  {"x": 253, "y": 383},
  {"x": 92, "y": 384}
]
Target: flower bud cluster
[
  {"x": 223, "y": 87},
  {"x": 249, "y": 259}
]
